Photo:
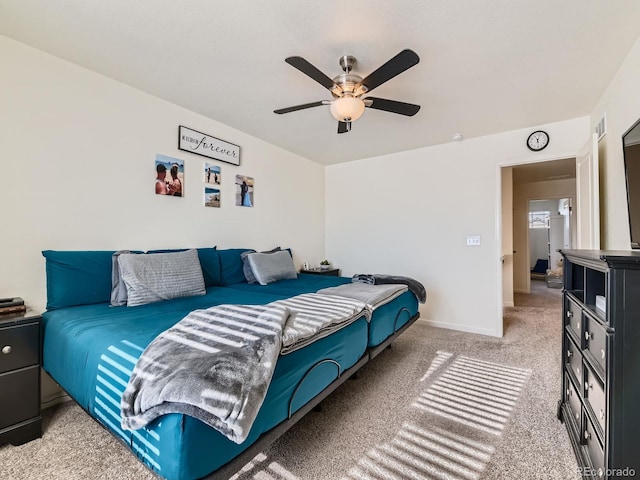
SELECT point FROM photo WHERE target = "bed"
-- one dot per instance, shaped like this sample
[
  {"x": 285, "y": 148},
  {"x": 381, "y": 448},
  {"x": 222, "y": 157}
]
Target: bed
[{"x": 90, "y": 348}]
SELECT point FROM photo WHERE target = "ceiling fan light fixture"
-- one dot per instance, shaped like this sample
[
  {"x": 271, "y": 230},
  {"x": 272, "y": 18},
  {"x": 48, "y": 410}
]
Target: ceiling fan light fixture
[{"x": 347, "y": 108}]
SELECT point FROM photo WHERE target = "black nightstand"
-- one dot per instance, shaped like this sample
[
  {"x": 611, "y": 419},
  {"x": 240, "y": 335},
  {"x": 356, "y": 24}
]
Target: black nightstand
[
  {"x": 334, "y": 272},
  {"x": 20, "y": 420}
]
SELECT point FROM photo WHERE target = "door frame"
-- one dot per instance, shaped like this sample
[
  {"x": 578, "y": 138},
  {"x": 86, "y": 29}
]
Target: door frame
[{"x": 498, "y": 210}]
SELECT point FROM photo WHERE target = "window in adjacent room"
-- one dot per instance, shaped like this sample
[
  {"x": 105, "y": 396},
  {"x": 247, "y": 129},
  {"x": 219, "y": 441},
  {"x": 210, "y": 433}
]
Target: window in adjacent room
[{"x": 539, "y": 219}]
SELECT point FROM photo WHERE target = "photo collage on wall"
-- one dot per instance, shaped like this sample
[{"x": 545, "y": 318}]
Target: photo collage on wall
[
  {"x": 212, "y": 180},
  {"x": 169, "y": 176},
  {"x": 244, "y": 191},
  {"x": 170, "y": 171}
]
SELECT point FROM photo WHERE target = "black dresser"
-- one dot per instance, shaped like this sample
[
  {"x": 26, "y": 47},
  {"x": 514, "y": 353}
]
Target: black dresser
[
  {"x": 600, "y": 402},
  {"x": 20, "y": 420}
]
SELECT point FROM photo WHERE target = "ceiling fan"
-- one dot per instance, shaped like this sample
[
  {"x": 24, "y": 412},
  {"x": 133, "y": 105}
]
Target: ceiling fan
[{"x": 348, "y": 103}]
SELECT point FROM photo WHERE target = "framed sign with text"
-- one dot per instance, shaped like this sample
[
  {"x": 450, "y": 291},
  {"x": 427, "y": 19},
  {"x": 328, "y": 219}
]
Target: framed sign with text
[{"x": 200, "y": 143}]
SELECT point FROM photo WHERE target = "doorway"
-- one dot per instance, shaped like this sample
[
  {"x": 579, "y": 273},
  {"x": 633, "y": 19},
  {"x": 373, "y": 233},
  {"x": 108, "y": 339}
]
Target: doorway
[
  {"x": 549, "y": 231},
  {"x": 552, "y": 181}
]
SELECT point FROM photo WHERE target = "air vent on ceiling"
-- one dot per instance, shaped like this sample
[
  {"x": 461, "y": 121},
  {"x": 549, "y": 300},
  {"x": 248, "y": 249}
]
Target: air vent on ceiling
[{"x": 601, "y": 127}]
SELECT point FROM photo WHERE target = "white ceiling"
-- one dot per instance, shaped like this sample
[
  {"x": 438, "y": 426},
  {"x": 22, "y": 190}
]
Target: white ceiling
[{"x": 486, "y": 66}]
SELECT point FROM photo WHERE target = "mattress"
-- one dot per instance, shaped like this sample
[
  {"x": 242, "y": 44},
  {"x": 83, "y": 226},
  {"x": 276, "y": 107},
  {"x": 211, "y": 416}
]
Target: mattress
[
  {"x": 91, "y": 350},
  {"x": 384, "y": 322}
]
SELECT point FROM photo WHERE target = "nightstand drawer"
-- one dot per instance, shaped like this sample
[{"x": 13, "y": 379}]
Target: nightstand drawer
[
  {"x": 19, "y": 347},
  {"x": 19, "y": 399}
]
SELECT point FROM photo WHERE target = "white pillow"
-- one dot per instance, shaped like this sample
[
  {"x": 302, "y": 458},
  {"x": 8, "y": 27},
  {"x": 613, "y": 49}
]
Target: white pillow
[
  {"x": 161, "y": 276},
  {"x": 270, "y": 267}
]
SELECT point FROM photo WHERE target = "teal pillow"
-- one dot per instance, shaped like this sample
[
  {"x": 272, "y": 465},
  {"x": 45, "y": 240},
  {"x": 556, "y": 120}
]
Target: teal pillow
[
  {"x": 77, "y": 277},
  {"x": 209, "y": 261},
  {"x": 231, "y": 265}
]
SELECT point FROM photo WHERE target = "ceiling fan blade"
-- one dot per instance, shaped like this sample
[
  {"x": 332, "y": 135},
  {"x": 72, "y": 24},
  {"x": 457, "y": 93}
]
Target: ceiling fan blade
[
  {"x": 344, "y": 127},
  {"x": 398, "y": 64},
  {"x": 311, "y": 71},
  {"x": 393, "y": 106},
  {"x": 299, "y": 107}
]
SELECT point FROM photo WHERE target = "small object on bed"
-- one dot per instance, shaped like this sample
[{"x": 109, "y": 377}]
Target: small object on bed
[{"x": 377, "y": 279}]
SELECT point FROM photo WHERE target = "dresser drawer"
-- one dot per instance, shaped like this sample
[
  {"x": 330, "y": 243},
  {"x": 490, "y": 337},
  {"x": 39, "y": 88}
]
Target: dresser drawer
[
  {"x": 19, "y": 396},
  {"x": 573, "y": 400},
  {"x": 593, "y": 447},
  {"x": 19, "y": 346},
  {"x": 573, "y": 358},
  {"x": 595, "y": 341},
  {"x": 574, "y": 317},
  {"x": 595, "y": 397}
]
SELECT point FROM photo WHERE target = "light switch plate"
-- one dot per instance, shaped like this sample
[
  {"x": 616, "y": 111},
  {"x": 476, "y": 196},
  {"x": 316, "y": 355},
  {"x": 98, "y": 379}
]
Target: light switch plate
[{"x": 473, "y": 240}]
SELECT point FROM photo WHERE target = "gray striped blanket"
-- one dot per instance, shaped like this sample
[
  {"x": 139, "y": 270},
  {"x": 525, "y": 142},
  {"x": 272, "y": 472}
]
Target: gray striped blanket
[
  {"x": 373, "y": 296},
  {"x": 314, "y": 316},
  {"x": 216, "y": 364}
]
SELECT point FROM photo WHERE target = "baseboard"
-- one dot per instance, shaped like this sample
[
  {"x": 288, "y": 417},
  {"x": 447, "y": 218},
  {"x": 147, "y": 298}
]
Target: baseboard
[
  {"x": 508, "y": 304},
  {"x": 460, "y": 328},
  {"x": 54, "y": 399}
]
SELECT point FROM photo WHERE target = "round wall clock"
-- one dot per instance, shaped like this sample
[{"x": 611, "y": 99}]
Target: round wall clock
[{"x": 538, "y": 140}]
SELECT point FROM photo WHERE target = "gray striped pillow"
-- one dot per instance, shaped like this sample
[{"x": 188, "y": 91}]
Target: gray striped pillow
[
  {"x": 270, "y": 267},
  {"x": 161, "y": 276}
]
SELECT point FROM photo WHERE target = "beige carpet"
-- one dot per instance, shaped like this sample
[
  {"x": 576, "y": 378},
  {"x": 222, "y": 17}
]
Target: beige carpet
[{"x": 439, "y": 404}]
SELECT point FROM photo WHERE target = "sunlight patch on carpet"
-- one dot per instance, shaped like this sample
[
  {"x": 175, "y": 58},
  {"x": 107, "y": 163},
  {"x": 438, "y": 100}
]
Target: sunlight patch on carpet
[
  {"x": 473, "y": 400},
  {"x": 476, "y": 393},
  {"x": 261, "y": 469},
  {"x": 420, "y": 453},
  {"x": 441, "y": 359}
]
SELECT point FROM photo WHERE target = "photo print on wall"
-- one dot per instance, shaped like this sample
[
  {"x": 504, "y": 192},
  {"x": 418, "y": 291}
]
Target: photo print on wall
[
  {"x": 244, "y": 191},
  {"x": 212, "y": 174},
  {"x": 211, "y": 197},
  {"x": 169, "y": 176}
]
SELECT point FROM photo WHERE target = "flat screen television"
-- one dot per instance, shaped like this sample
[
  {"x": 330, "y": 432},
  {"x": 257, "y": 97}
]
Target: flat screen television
[{"x": 631, "y": 150}]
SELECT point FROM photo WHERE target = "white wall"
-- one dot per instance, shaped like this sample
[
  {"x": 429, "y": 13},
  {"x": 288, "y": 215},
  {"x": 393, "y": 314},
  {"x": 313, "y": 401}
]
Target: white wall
[
  {"x": 409, "y": 214},
  {"x": 621, "y": 102},
  {"x": 78, "y": 151},
  {"x": 538, "y": 248}
]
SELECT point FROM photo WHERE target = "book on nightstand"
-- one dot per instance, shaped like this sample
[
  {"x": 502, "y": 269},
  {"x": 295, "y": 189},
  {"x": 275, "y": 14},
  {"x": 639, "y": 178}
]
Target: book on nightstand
[{"x": 12, "y": 305}]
